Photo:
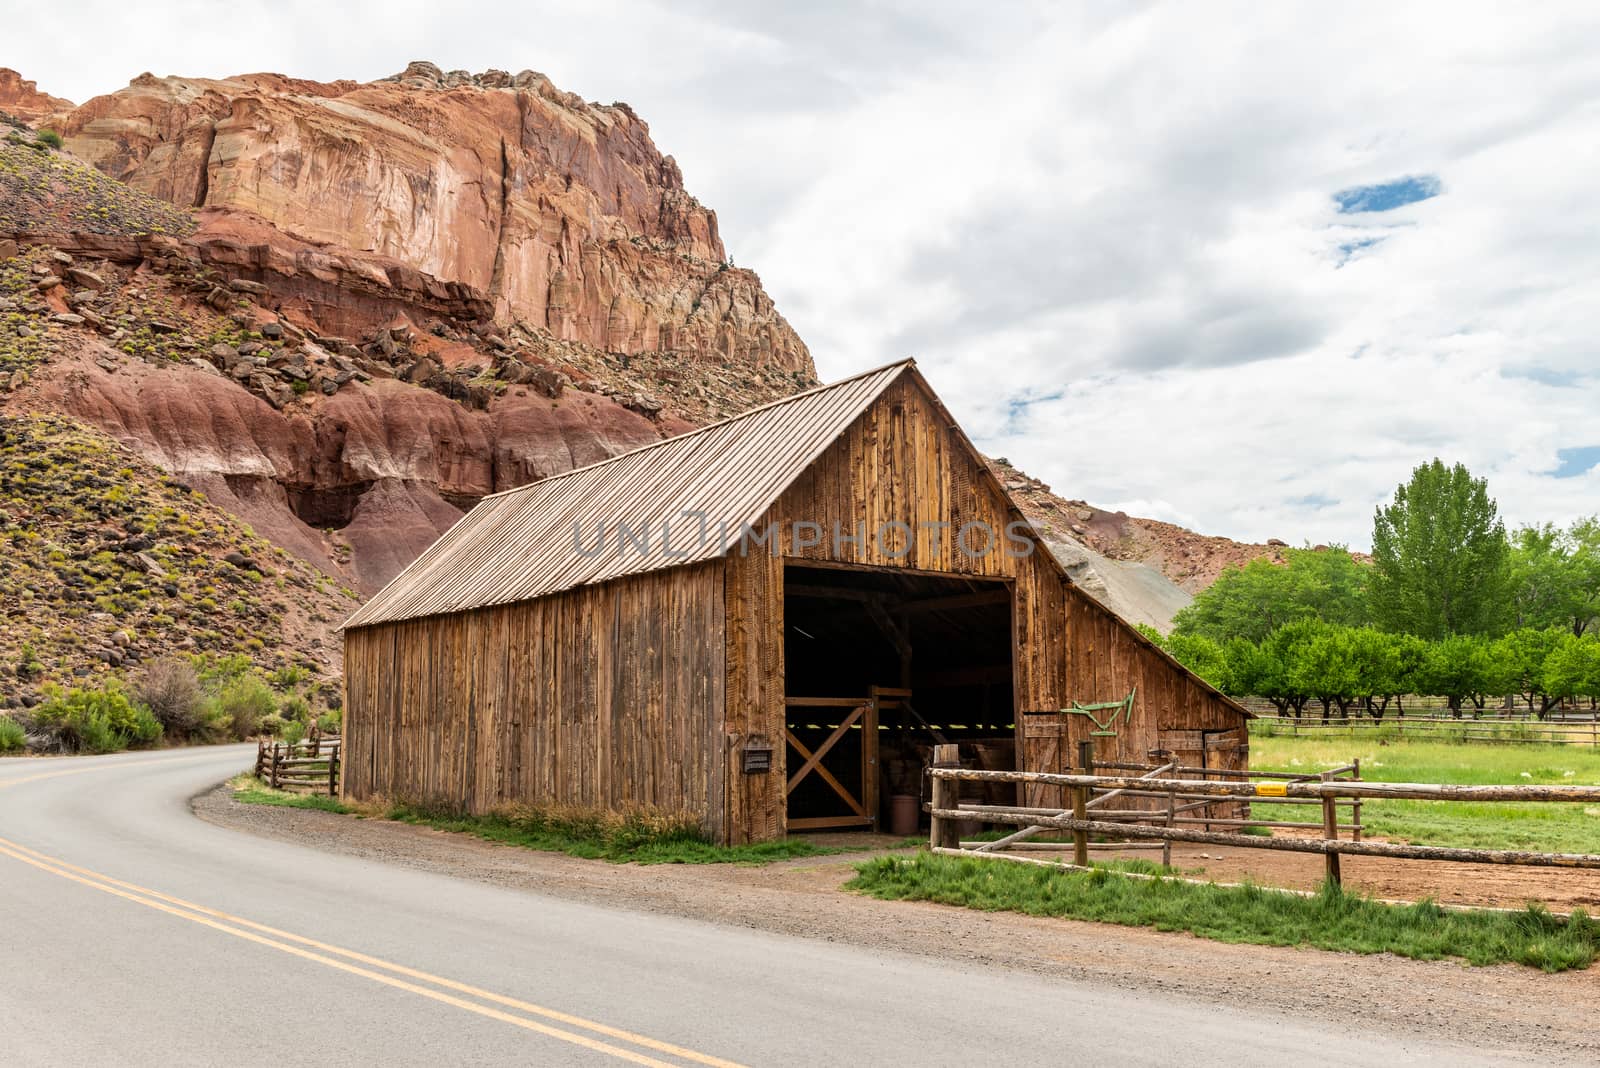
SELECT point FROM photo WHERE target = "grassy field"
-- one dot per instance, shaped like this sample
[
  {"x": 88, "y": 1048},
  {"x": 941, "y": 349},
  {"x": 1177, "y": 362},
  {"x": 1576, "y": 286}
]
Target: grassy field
[
  {"x": 637, "y": 839},
  {"x": 1332, "y": 919},
  {"x": 1513, "y": 825}
]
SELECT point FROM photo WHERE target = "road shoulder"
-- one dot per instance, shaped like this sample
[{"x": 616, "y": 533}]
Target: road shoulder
[{"x": 1504, "y": 1008}]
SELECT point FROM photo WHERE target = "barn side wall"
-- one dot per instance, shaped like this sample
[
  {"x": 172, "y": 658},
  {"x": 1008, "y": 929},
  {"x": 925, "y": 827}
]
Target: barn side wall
[{"x": 606, "y": 696}]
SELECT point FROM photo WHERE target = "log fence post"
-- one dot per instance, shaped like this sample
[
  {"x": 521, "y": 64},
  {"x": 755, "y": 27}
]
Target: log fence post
[
  {"x": 276, "y": 761},
  {"x": 1080, "y": 803},
  {"x": 1080, "y": 836},
  {"x": 1355, "y": 804},
  {"x": 333, "y": 771},
  {"x": 1330, "y": 831},
  {"x": 943, "y": 832}
]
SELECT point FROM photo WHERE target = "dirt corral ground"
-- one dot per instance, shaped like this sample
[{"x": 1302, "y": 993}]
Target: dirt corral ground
[
  {"x": 1449, "y": 883},
  {"x": 1517, "y": 1010}
]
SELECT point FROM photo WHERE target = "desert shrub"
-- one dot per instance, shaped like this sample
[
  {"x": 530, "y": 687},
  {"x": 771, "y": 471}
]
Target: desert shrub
[
  {"x": 330, "y": 722},
  {"x": 217, "y": 672},
  {"x": 49, "y": 137},
  {"x": 293, "y": 731},
  {"x": 170, "y": 688},
  {"x": 288, "y": 677},
  {"x": 294, "y": 709},
  {"x": 12, "y": 736},
  {"x": 272, "y": 725},
  {"x": 28, "y": 665},
  {"x": 88, "y": 720},
  {"x": 241, "y": 704}
]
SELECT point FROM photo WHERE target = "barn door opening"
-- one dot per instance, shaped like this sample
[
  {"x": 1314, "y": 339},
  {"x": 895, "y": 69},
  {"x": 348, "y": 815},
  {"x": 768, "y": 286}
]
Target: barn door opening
[{"x": 879, "y": 666}]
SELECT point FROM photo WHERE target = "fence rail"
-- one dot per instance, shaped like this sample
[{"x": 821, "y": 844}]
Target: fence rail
[
  {"x": 1489, "y": 729},
  {"x": 1161, "y": 827},
  {"x": 311, "y": 764}
]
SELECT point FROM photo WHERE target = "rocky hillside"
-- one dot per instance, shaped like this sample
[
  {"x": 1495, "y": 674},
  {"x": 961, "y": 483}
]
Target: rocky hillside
[
  {"x": 111, "y": 563},
  {"x": 334, "y": 316},
  {"x": 1143, "y": 569}
]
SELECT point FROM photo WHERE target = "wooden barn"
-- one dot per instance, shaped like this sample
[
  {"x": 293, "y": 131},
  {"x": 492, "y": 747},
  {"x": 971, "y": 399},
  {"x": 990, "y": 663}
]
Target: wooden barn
[{"x": 764, "y": 623}]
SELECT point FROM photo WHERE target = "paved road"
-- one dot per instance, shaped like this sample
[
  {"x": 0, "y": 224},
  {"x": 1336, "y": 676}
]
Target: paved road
[{"x": 133, "y": 933}]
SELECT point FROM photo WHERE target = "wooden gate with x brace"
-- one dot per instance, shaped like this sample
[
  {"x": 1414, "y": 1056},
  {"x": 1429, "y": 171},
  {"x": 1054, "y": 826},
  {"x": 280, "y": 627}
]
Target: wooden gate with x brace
[{"x": 862, "y": 714}]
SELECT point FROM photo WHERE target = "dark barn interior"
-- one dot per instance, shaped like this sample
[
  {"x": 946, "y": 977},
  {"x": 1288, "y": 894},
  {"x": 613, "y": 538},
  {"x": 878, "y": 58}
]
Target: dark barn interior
[{"x": 879, "y": 666}]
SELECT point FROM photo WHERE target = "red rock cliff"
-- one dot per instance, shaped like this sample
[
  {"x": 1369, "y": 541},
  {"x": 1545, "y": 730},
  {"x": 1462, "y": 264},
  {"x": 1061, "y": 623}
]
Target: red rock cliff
[{"x": 561, "y": 212}]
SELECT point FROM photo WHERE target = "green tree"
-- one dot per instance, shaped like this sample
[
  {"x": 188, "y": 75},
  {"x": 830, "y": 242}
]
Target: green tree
[
  {"x": 1459, "y": 668},
  {"x": 1253, "y": 600},
  {"x": 1200, "y": 655},
  {"x": 1517, "y": 665},
  {"x": 1583, "y": 540},
  {"x": 1572, "y": 667},
  {"x": 1555, "y": 576},
  {"x": 1440, "y": 561},
  {"x": 1320, "y": 664}
]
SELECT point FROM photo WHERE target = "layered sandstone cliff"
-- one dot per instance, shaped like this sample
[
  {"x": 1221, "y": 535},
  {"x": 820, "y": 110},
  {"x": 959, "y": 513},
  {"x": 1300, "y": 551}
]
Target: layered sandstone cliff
[
  {"x": 561, "y": 213},
  {"x": 21, "y": 98},
  {"x": 370, "y": 305}
]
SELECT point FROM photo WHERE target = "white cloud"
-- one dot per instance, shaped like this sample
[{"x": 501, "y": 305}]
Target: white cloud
[{"x": 1123, "y": 215}]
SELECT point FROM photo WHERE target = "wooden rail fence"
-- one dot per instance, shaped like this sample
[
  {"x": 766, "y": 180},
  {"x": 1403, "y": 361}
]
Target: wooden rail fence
[
  {"x": 1161, "y": 828},
  {"x": 1489, "y": 729},
  {"x": 311, "y": 764}
]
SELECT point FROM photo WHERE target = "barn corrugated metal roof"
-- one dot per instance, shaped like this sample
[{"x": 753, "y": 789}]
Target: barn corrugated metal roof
[{"x": 520, "y": 544}]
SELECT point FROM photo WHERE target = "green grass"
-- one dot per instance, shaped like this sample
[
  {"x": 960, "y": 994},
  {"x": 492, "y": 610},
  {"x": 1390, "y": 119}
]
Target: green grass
[
  {"x": 1540, "y": 826},
  {"x": 635, "y": 838},
  {"x": 250, "y": 790},
  {"x": 618, "y": 842},
  {"x": 1332, "y": 919}
]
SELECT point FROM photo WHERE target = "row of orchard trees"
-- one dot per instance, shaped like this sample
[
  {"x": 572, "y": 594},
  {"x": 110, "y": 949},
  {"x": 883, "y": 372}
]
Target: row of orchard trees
[
  {"x": 1311, "y": 662},
  {"x": 1447, "y": 605}
]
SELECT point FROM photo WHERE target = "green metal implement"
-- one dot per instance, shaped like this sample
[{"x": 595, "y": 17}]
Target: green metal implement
[{"x": 1123, "y": 708}]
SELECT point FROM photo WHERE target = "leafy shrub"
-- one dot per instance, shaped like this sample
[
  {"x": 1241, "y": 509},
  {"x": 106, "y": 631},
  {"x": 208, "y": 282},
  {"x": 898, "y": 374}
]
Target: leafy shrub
[
  {"x": 28, "y": 666},
  {"x": 241, "y": 704},
  {"x": 295, "y": 710},
  {"x": 330, "y": 722},
  {"x": 272, "y": 725},
  {"x": 288, "y": 677},
  {"x": 170, "y": 688},
  {"x": 95, "y": 721},
  {"x": 50, "y": 137},
  {"x": 12, "y": 736},
  {"x": 293, "y": 731}
]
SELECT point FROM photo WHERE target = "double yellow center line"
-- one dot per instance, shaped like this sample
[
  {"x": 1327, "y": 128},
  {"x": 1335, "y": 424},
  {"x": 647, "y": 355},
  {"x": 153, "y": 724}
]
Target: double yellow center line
[{"x": 552, "y": 1023}]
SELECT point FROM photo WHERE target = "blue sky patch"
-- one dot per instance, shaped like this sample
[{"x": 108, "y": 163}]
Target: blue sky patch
[
  {"x": 1578, "y": 461},
  {"x": 1348, "y": 249},
  {"x": 1386, "y": 196},
  {"x": 1543, "y": 375}
]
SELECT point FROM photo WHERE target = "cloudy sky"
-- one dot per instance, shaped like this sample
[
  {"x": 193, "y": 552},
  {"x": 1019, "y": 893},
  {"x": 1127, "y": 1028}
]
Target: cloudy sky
[{"x": 1238, "y": 268}]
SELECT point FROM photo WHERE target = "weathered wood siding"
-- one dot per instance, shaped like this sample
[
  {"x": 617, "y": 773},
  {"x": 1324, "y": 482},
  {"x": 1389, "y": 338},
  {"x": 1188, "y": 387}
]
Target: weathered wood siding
[
  {"x": 606, "y": 696},
  {"x": 1106, "y": 658},
  {"x": 901, "y": 462}
]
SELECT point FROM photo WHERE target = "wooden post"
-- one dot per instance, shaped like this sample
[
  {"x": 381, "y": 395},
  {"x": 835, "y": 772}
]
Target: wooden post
[
  {"x": 1166, "y": 843},
  {"x": 333, "y": 771},
  {"x": 870, "y": 778},
  {"x": 943, "y": 832},
  {"x": 1355, "y": 805},
  {"x": 1080, "y": 837},
  {"x": 1330, "y": 830},
  {"x": 261, "y": 757},
  {"x": 275, "y": 761},
  {"x": 1080, "y": 803}
]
